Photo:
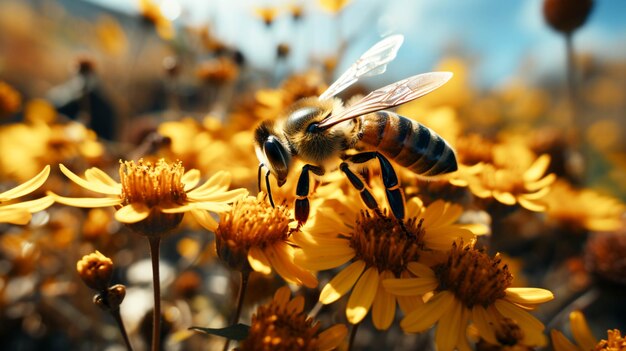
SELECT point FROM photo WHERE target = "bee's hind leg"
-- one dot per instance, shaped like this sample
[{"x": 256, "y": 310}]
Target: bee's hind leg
[
  {"x": 302, "y": 206},
  {"x": 359, "y": 185},
  {"x": 395, "y": 197}
]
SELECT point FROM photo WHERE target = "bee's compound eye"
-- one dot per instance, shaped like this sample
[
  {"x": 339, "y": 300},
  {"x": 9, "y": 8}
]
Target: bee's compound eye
[
  {"x": 277, "y": 156},
  {"x": 313, "y": 128}
]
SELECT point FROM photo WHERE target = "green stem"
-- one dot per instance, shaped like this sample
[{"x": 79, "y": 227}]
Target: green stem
[
  {"x": 155, "y": 242},
  {"x": 353, "y": 331},
  {"x": 120, "y": 323},
  {"x": 244, "y": 275}
]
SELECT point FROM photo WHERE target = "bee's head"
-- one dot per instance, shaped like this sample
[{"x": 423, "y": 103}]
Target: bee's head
[{"x": 272, "y": 150}]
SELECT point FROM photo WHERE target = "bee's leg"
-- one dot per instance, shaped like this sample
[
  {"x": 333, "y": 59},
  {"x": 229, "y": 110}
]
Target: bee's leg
[
  {"x": 258, "y": 176},
  {"x": 302, "y": 206},
  {"x": 390, "y": 180},
  {"x": 359, "y": 185}
]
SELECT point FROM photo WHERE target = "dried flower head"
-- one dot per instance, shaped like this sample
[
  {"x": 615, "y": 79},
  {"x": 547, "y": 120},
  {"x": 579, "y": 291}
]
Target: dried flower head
[
  {"x": 566, "y": 15},
  {"x": 604, "y": 256},
  {"x": 282, "y": 324},
  {"x": 95, "y": 270},
  {"x": 254, "y": 234},
  {"x": 585, "y": 340},
  {"x": 218, "y": 71}
]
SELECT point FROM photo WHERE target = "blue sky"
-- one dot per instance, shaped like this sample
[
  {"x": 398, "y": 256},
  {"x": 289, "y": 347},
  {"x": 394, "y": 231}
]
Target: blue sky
[{"x": 499, "y": 35}]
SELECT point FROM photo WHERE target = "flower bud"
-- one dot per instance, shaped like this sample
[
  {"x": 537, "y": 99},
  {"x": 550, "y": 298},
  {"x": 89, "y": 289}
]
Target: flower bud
[
  {"x": 566, "y": 15},
  {"x": 95, "y": 270}
]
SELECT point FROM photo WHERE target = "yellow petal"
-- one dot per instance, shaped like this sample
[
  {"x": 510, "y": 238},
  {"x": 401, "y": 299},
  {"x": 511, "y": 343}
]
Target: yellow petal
[
  {"x": 132, "y": 213},
  {"x": 88, "y": 202},
  {"x": 528, "y": 295},
  {"x": 190, "y": 179},
  {"x": 332, "y": 337},
  {"x": 362, "y": 296},
  {"x": 537, "y": 169},
  {"x": 409, "y": 303},
  {"x": 560, "y": 342},
  {"x": 433, "y": 213},
  {"x": 541, "y": 183},
  {"x": 205, "y": 219},
  {"x": 523, "y": 318},
  {"x": 318, "y": 261},
  {"x": 449, "y": 327},
  {"x": 281, "y": 257},
  {"x": 485, "y": 324},
  {"x": 421, "y": 270},
  {"x": 414, "y": 207},
  {"x": 218, "y": 180},
  {"x": 537, "y": 195},
  {"x": 384, "y": 306},
  {"x": 258, "y": 261},
  {"x": 31, "y": 206},
  {"x": 342, "y": 282},
  {"x": 94, "y": 174},
  {"x": 296, "y": 305},
  {"x": 282, "y": 295},
  {"x": 97, "y": 187},
  {"x": 14, "y": 216},
  {"x": 581, "y": 332},
  {"x": 410, "y": 286},
  {"x": 427, "y": 315},
  {"x": 504, "y": 197},
  {"x": 27, "y": 187},
  {"x": 215, "y": 207},
  {"x": 221, "y": 196},
  {"x": 532, "y": 205}
]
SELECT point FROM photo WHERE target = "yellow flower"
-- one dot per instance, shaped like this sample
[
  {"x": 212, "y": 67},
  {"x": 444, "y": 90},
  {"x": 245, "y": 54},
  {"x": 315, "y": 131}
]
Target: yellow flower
[
  {"x": 95, "y": 270},
  {"x": 584, "y": 338},
  {"x": 583, "y": 208},
  {"x": 510, "y": 186},
  {"x": 10, "y": 100},
  {"x": 266, "y": 14},
  {"x": 282, "y": 324},
  {"x": 151, "y": 13},
  {"x": 111, "y": 36},
  {"x": 468, "y": 286},
  {"x": 377, "y": 247},
  {"x": 20, "y": 213},
  {"x": 152, "y": 198},
  {"x": 255, "y": 235}
]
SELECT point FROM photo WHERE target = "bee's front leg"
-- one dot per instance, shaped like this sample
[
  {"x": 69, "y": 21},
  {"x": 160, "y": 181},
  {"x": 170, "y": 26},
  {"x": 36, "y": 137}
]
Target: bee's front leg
[{"x": 302, "y": 206}]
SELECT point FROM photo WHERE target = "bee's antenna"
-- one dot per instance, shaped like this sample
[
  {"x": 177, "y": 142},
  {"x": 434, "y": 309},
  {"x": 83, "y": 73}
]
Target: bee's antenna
[
  {"x": 258, "y": 176},
  {"x": 269, "y": 189}
]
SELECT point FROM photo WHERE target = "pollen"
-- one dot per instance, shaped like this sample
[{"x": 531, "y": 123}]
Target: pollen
[
  {"x": 474, "y": 277},
  {"x": 154, "y": 184},
  {"x": 385, "y": 243}
]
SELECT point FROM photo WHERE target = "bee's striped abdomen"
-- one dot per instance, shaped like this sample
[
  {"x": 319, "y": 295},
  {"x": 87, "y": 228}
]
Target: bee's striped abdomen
[{"x": 408, "y": 143}]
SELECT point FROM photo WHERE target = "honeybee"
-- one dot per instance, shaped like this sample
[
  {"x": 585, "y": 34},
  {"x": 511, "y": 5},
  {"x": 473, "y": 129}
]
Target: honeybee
[{"x": 321, "y": 132}]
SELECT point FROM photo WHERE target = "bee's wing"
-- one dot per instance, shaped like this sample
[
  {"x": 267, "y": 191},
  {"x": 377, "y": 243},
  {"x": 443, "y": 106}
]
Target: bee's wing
[
  {"x": 391, "y": 95},
  {"x": 374, "y": 61}
]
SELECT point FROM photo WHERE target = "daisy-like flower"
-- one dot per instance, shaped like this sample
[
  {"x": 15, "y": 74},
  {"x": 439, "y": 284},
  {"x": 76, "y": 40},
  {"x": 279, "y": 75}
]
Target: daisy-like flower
[
  {"x": 256, "y": 235},
  {"x": 21, "y": 212},
  {"x": 510, "y": 186},
  {"x": 152, "y": 198},
  {"x": 468, "y": 286},
  {"x": 584, "y": 338},
  {"x": 376, "y": 247},
  {"x": 282, "y": 324}
]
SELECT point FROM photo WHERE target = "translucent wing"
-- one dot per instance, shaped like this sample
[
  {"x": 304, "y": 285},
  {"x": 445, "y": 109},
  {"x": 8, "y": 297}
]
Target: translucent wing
[
  {"x": 374, "y": 61},
  {"x": 391, "y": 95}
]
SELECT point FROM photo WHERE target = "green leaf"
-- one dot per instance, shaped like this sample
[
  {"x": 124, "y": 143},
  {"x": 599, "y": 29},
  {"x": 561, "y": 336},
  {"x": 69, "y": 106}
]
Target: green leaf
[{"x": 234, "y": 332}]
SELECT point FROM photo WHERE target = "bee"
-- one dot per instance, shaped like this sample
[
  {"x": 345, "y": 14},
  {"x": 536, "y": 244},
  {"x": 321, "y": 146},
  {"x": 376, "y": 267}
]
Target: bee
[{"x": 323, "y": 133}]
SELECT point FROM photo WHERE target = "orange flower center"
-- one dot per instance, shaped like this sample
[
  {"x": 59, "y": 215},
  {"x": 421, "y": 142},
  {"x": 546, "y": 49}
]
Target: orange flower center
[
  {"x": 614, "y": 342},
  {"x": 158, "y": 184},
  {"x": 474, "y": 277},
  {"x": 385, "y": 242},
  {"x": 278, "y": 328},
  {"x": 250, "y": 222}
]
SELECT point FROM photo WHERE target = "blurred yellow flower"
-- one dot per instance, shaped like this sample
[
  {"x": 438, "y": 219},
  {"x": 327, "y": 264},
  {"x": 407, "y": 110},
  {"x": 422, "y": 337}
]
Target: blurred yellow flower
[
  {"x": 20, "y": 213},
  {"x": 334, "y": 6},
  {"x": 153, "y": 197},
  {"x": 111, "y": 36},
  {"x": 39, "y": 110},
  {"x": 282, "y": 325},
  {"x": 267, "y": 14},
  {"x": 468, "y": 286},
  {"x": 583, "y": 208},
  {"x": 255, "y": 235},
  {"x": 151, "y": 13},
  {"x": 584, "y": 338},
  {"x": 377, "y": 247}
]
